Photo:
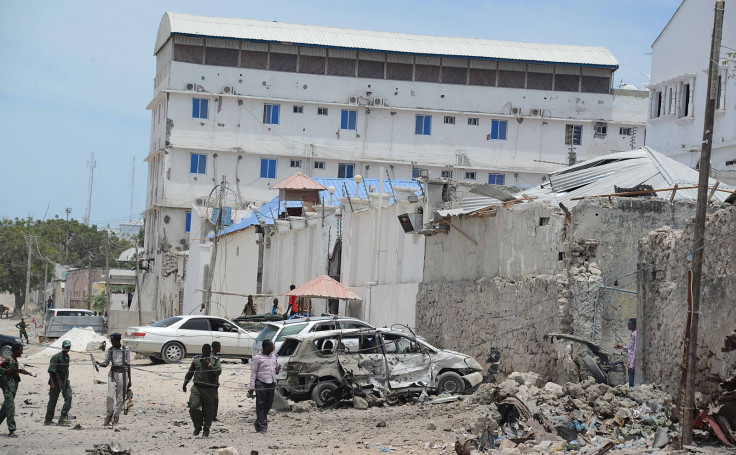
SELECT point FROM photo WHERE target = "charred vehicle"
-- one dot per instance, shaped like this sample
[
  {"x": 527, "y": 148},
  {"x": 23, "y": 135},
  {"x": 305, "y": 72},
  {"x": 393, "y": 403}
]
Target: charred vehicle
[{"x": 379, "y": 361}]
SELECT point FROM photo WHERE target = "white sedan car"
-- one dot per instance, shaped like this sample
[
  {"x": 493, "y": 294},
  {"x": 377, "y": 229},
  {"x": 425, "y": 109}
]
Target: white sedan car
[{"x": 176, "y": 337}]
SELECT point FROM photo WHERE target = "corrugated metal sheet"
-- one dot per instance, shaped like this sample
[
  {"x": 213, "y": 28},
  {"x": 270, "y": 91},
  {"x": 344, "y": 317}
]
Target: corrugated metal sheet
[
  {"x": 324, "y": 287},
  {"x": 310, "y": 35},
  {"x": 272, "y": 209}
]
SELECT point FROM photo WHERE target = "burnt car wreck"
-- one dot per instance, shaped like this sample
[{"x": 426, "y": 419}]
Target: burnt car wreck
[{"x": 376, "y": 364}]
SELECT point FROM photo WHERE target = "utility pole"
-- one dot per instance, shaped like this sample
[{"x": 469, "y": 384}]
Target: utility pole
[
  {"x": 92, "y": 164},
  {"x": 107, "y": 274},
  {"x": 132, "y": 185},
  {"x": 138, "y": 283},
  {"x": 27, "y": 299},
  {"x": 687, "y": 409},
  {"x": 213, "y": 254}
]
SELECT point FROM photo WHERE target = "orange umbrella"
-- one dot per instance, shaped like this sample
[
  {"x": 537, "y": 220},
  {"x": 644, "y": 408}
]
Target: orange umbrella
[{"x": 324, "y": 287}]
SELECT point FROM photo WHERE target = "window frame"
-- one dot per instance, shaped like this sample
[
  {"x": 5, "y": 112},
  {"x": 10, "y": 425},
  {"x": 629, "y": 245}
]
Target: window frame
[
  {"x": 298, "y": 109},
  {"x": 271, "y": 114},
  {"x": 296, "y": 164},
  {"x": 271, "y": 164},
  {"x": 446, "y": 174},
  {"x": 188, "y": 221},
  {"x": 449, "y": 120},
  {"x": 344, "y": 167},
  {"x": 201, "y": 108},
  {"x": 416, "y": 172},
  {"x": 496, "y": 177},
  {"x": 348, "y": 119},
  {"x": 473, "y": 121},
  {"x": 423, "y": 125},
  {"x": 319, "y": 165},
  {"x": 625, "y": 130},
  {"x": 198, "y": 165},
  {"x": 499, "y": 130},
  {"x": 471, "y": 175},
  {"x": 322, "y": 111},
  {"x": 570, "y": 134},
  {"x": 196, "y": 320}
]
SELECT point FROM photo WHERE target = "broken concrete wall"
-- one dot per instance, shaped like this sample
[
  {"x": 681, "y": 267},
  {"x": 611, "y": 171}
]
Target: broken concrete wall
[
  {"x": 663, "y": 260},
  {"x": 528, "y": 276}
]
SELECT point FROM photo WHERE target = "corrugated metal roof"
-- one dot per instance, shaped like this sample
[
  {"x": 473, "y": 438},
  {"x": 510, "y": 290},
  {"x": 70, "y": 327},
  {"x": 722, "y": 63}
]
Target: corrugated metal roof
[
  {"x": 324, "y": 287},
  {"x": 311, "y": 35},
  {"x": 298, "y": 181},
  {"x": 343, "y": 187}
]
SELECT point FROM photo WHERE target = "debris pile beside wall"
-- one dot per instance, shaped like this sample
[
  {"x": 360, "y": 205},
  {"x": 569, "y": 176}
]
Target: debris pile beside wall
[
  {"x": 663, "y": 261},
  {"x": 541, "y": 417}
]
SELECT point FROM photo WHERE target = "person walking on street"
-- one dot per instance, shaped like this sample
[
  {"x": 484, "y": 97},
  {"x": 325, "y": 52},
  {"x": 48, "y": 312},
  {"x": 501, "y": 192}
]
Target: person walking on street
[
  {"x": 119, "y": 380},
  {"x": 59, "y": 383},
  {"x": 249, "y": 309},
  {"x": 263, "y": 371},
  {"x": 22, "y": 328},
  {"x": 293, "y": 307},
  {"x": 204, "y": 372},
  {"x": 630, "y": 350},
  {"x": 10, "y": 373},
  {"x": 217, "y": 365}
]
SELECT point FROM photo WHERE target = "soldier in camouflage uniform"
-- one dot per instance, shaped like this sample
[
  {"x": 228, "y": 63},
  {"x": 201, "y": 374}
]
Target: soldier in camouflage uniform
[
  {"x": 59, "y": 383},
  {"x": 10, "y": 373},
  {"x": 205, "y": 370}
]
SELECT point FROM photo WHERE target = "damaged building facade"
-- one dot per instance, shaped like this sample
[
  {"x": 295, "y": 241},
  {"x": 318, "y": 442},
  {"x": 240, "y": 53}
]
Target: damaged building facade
[
  {"x": 258, "y": 101},
  {"x": 550, "y": 260}
]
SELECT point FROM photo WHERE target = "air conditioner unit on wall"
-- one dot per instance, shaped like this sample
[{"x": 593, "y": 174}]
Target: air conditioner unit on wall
[
  {"x": 378, "y": 101},
  {"x": 535, "y": 112},
  {"x": 201, "y": 202},
  {"x": 516, "y": 111},
  {"x": 354, "y": 100},
  {"x": 193, "y": 87},
  {"x": 228, "y": 90}
]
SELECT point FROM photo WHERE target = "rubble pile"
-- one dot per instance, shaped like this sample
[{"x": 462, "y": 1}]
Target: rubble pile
[{"x": 530, "y": 416}]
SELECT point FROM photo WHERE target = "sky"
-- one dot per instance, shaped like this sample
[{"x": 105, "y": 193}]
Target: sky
[{"x": 77, "y": 75}]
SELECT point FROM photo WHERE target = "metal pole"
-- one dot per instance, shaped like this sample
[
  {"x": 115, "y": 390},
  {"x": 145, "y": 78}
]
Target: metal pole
[
  {"x": 26, "y": 300},
  {"x": 138, "y": 284},
  {"x": 688, "y": 410},
  {"x": 213, "y": 254}
]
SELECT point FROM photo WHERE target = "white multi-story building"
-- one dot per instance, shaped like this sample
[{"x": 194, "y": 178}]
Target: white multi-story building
[
  {"x": 256, "y": 101},
  {"x": 679, "y": 83}
]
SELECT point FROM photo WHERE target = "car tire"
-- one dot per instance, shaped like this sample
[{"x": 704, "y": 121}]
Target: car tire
[
  {"x": 450, "y": 382},
  {"x": 173, "y": 352},
  {"x": 594, "y": 370},
  {"x": 322, "y": 392},
  {"x": 6, "y": 351}
]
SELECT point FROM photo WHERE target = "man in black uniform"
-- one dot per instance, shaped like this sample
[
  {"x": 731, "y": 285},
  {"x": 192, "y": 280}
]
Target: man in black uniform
[{"x": 205, "y": 371}]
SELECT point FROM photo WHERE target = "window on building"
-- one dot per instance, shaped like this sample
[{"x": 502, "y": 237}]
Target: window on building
[
  {"x": 321, "y": 111},
  {"x": 720, "y": 102},
  {"x": 198, "y": 163},
  {"x": 423, "y": 125},
  {"x": 345, "y": 171},
  {"x": 271, "y": 114},
  {"x": 188, "y": 222},
  {"x": 601, "y": 129},
  {"x": 498, "y": 129},
  {"x": 200, "y": 107},
  {"x": 496, "y": 179},
  {"x": 449, "y": 120},
  {"x": 625, "y": 131},
  {"x": 573, "y": 134},
  {"x": 473, "y": 121},
  {"x": 657, "y": 104},
  {"x": 298, "y": 109},
  {"x": 268, "y": 168},
  {"x": 417, "y": 172},
  {"x": 295, "y": 163},
  {"x": 319, "y": 164},
  {"x": 348, "y": 119},
  {"x": 446, "y": 174},
  {"x": 685, "y": 100},
  {"x": 470, "y": 175}
]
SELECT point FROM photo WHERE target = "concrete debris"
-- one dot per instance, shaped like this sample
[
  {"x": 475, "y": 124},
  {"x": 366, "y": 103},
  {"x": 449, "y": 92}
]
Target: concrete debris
[
  {"x": 431, "y": 426},
  {"x": 526, "y": 415},
  {"x": 360, "y": 403},
  {"x": 304, "y": 406},
  {"x": 227, "y": 451},
  {"x": 107, "y": 449},
  {"x": 280, "y": 403}
]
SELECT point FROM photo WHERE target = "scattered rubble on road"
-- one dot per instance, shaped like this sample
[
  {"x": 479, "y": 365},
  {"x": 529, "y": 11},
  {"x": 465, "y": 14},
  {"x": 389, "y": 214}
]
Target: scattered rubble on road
[{"x": 108, "y": 449}]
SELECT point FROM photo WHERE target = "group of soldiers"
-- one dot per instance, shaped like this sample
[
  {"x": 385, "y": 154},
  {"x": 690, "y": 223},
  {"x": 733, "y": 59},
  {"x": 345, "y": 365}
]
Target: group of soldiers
[{"x": 119, "y": 381}]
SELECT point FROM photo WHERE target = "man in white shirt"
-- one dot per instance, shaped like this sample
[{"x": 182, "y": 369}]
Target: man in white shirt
[
  {"x": 264, "y": 368},
  {"x": 119, "y": 380}
]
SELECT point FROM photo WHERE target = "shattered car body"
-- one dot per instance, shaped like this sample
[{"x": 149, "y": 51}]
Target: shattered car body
[{"x": 380, "y": 361}]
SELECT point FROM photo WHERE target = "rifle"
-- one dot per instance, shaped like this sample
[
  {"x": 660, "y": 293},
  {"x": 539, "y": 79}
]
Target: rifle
[{"x": 17, "y": 371}]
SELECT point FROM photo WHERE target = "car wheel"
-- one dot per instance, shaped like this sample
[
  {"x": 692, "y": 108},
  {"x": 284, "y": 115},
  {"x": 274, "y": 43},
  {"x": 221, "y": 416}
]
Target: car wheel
[
  {"x": 173, "y": 352},
  {"x": 323, "y": 392},
  {"x": 593, "y": 369},
  {"x": 6, "y": 351},
  {"x": 450, "y": 382}
]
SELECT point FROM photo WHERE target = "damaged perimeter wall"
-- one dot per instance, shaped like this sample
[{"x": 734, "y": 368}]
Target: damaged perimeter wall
[
  {"x": 663, "y": 259},
  {"x": 533, "y": 273}
]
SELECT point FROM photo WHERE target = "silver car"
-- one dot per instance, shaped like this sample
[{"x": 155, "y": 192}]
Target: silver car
[
  {"x": 176, "y": 337},
  {"x": 380, "y": 360}
]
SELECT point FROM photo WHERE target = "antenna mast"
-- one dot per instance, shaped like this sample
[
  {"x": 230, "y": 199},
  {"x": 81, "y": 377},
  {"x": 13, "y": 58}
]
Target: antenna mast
[
  {"x": 132, "y": 185},
  {"x": 92, "y": 164}
]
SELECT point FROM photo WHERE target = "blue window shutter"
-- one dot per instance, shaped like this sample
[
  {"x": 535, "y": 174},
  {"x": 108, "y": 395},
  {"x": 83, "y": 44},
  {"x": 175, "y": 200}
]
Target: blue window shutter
[
  {"x": 195, "y": 108},
  {"x": 501, "y": 179},
  {"x": 352, "y": 119},
  {"x": 494, "y": 130},
  {"x": 264, "y": 168},
  {"x": 502, "y": 130},
  {"x": 204, "y": 107},
  {"x": 350, "y": 171},
  {"x": 275, "y": 114},
  {"x": 272, "y": 169},
  {"x": 202, "y": 164},
  {"x": 188, "y": 224},
  {"x": 344, "y": 120},
  {"x": 193, "y": 163},
  {"x": 427, "y": 125},
  {"x": 420, "y": 124}
]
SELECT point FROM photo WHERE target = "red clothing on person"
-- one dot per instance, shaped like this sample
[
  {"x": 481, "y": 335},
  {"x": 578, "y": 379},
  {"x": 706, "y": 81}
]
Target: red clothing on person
[{"x": 293, "y": 304}]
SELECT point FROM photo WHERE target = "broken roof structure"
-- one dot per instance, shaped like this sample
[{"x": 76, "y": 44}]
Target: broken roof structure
[{"x": 643, "y": 172}]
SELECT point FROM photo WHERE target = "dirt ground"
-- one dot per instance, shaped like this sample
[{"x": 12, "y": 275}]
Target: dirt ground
[{"x": 159, "y": 421}]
